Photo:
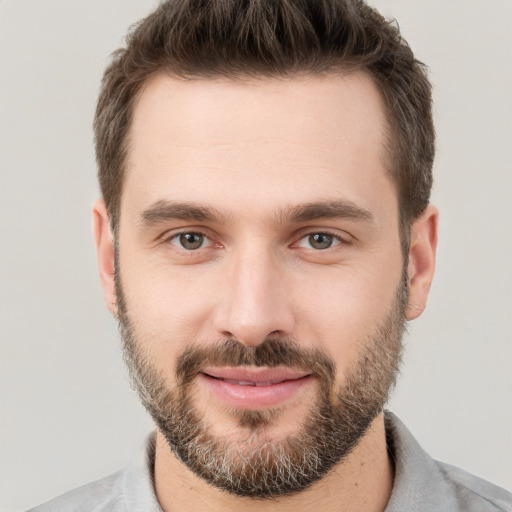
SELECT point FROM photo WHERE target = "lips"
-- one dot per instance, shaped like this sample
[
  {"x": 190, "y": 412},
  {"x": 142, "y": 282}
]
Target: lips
[{"x": 254, "y": 388}]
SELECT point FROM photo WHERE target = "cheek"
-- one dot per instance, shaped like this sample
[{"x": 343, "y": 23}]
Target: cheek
[
  {"x": 345, "y": 308},
  {"x": 169, "y": 308}
]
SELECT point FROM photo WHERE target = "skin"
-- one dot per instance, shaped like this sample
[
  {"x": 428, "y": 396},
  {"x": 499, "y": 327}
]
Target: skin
[{"x": 252, "y": 152}]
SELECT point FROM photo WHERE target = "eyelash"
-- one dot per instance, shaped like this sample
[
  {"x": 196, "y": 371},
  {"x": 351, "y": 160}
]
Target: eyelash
[{"x": 336, "y": 238}]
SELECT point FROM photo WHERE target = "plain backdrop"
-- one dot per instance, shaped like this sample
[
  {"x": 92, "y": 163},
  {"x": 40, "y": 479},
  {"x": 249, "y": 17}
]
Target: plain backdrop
[{"x": 68, "y": 415}]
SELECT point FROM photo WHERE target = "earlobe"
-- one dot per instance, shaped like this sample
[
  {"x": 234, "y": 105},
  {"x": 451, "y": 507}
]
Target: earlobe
[
  {"x": 422, "y": 259},
  {"x": 104, "y": 242}
]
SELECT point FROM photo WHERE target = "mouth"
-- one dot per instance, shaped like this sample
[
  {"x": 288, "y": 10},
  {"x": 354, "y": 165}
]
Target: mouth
[{"x": 254, "y": 388}]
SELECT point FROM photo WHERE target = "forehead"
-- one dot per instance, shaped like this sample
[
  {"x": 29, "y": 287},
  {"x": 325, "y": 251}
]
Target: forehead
[{"x": 282, "y": 141}]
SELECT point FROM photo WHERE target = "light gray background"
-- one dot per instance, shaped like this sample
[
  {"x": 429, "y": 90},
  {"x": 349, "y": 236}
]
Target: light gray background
[{"x": 68, "y": 415}]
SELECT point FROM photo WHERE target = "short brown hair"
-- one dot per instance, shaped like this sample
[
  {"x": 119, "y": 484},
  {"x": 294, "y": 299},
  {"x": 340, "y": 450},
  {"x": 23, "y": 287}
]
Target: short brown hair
[{"x": 272, "y": 38}]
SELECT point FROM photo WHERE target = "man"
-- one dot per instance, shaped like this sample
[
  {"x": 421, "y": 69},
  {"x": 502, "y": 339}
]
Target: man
[{"x": 264, "y": 234}]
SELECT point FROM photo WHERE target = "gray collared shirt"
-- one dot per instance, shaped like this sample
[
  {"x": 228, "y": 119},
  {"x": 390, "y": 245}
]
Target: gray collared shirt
[{"x": 421, "y": 484}]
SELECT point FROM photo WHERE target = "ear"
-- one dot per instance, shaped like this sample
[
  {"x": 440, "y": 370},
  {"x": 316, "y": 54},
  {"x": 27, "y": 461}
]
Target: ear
[
  {"x": 105, "y": 253},
  {"x": 422, "y": 260}
]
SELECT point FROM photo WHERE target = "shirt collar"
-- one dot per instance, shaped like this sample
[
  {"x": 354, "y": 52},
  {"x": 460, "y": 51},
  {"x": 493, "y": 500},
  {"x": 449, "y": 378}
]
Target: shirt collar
[
  {"x": 419, "y": 483},
  {"x": 137, "y": 482}
]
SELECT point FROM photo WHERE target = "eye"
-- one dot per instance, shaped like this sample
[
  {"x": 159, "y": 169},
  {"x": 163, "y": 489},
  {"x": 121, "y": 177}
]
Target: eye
[
  {"x": 189, "y": 241},
  {"x": 319, "y": 241}
]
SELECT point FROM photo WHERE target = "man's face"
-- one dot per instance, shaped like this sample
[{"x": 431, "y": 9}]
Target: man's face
[{"x": 259, "y": 273}]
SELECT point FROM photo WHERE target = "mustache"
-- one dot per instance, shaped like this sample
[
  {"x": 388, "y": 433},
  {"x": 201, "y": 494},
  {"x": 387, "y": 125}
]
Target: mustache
[{"x": 271, "y": 353}]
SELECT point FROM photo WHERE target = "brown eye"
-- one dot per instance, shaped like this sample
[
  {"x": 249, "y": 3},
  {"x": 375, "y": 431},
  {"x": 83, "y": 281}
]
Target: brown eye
[{"x": 189, "y": 241}]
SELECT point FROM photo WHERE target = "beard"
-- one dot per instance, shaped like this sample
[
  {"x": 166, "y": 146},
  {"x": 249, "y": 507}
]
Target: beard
[{"x": 255, "y": 465}]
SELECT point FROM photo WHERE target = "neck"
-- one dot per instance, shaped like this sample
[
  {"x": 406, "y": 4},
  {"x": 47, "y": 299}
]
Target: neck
[{"x": 362, "y": 482}]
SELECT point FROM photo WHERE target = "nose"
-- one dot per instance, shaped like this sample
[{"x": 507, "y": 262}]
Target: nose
[{"x": 255, "y": 302}]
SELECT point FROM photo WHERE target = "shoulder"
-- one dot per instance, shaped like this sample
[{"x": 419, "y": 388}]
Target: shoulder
[
  {"x": 474, "y": 493},
  {"x": 423, "y": 484},
  {"x": 98, "y": 496},
  {"x": 129, "y": 489}
]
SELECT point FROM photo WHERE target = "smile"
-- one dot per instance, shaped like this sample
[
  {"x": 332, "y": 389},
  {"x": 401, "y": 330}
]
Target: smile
[{"x": 254, "y": 389}]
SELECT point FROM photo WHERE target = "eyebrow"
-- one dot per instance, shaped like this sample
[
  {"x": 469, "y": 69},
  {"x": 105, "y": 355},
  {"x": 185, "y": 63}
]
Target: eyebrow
[
  {"x": 164, "y": 211},
  {"x": 328, "y": 210}
]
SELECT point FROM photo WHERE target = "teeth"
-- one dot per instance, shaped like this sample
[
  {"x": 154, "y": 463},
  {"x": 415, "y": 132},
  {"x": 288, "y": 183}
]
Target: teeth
[
  {"x": 239, "y": 382},
  {"x": 247, "y": 383}
]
